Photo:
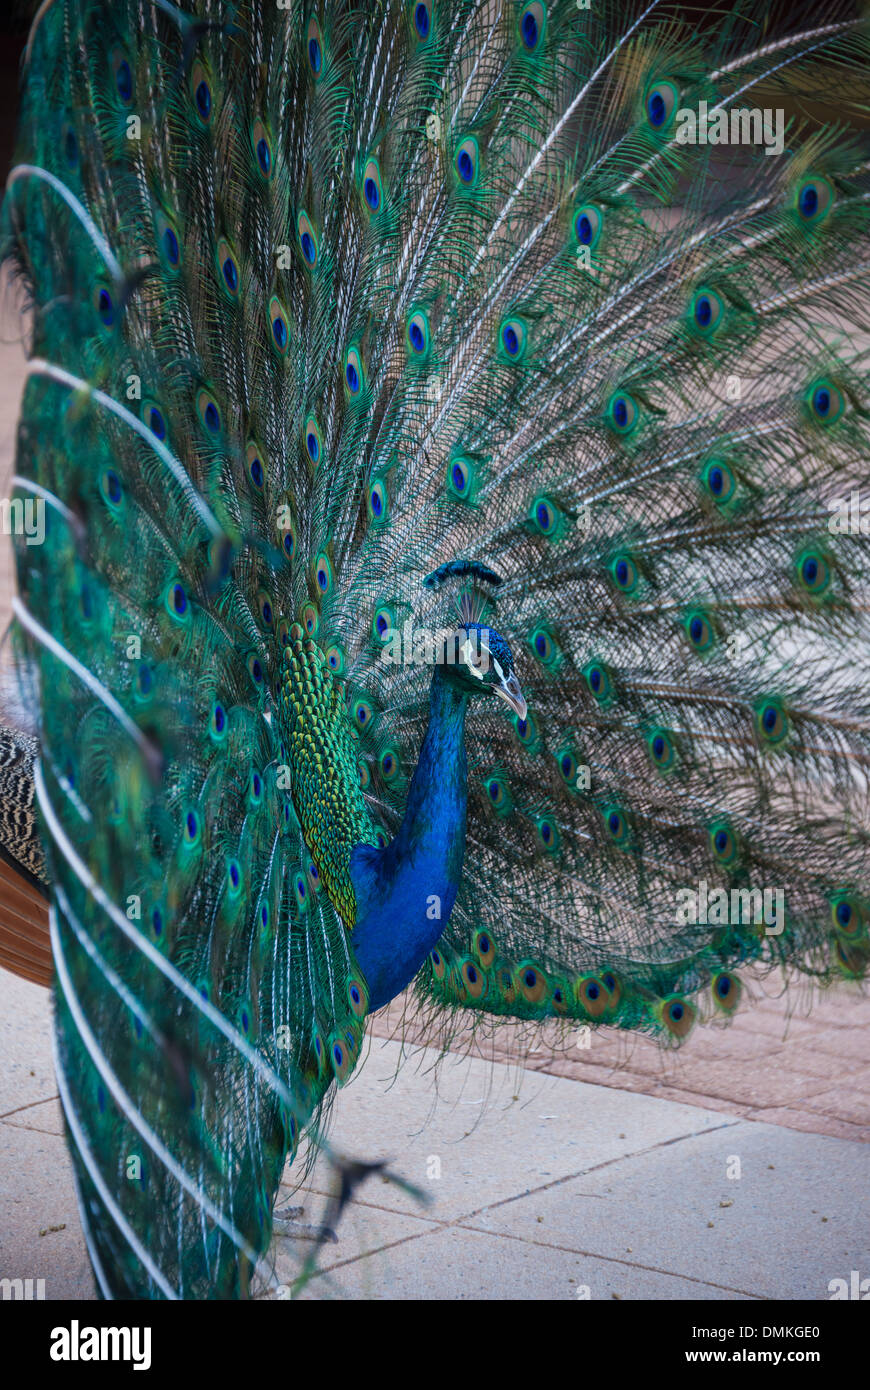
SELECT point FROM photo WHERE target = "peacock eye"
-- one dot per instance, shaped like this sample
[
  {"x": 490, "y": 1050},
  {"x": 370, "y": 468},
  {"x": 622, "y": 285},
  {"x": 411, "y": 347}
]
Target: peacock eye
[
  {"x": 354, "y": 375},
  {"x": 168, "y": 244},
  {"x": 209, "y": 413},
  {"x": 624, "y": 573},
  {"x": 622, "y": 412},
  {"x": 846, "y": 915},
  {"x": 378, "y": 507},
  {"x": 323, "y": 575},
  {"x": 548, "y": 834},
  {"x": 813, "y": 573},
  {"x": 155, "y": 421},
  {"x": 177, "y": 602},
  {"x": 356, "y": 994},
  {"x": 723, "y": 843},
  {"x": 390, "y": 765},
  {"x": 531, "y": 982},
  {"x": 826, "y": 401},
  {"x": 228, "y": 267},
  {"x": 200, "y": 86},
  {"x": 815, "y": 198},
  {"x": 313, "y": 439},
  {"x": 533, "y": 23},
  {"x": 335, "y": 659},
  {"x": 362, "y": 713},
  {"x": 314, "y": 49},
  {"x": 418, "y": 333},
  {"x": 544, "y": 645},
  {"x": 255, "y": 467},
  {"x": 279, "y": 325},
  {"x": 545, "y": 516},
  {"x": 527, "y": 731},
  {"x": 700, "y": 632},
  {"x": 307, "y": 240},
  {"x": 616, "y": 826},
  {"x": 588, "y": 222},
  {"x": 467, "y": 162},
  {"x": 484, "y": 947},
  {"x": 460, "y": 479},
  {"x": 382, "y": 622},
  {"x": 718, "y": 481},
  {"x": 705, "y": 312},
  {"x": 372, "y": 187},
  {"x": 262, "y": 149},
  {"x": 726, "y": 991},
  {"x": 660, "y": 104},
  {"x": 218, "y": 722},
  {"x": 661, "y": 750},
  {"x": 110, "y": 488},
  {"x": 267, "y": 613},
  {"x": 144, "y": 682},
  {"x": 567, "y": 767},
  {"x": 599, "y": 682},
  {"x": 104, "y": 305},
  {"x": 421, "y": 16},
  {"x": 301, "y": 890},
  {"x": 513, "y": 338},
  {"x": 771, "y": 721},
  {"x": 123, "y": 78}
]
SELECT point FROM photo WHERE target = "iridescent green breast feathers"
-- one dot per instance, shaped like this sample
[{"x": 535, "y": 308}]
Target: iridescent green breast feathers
[{"x": 324, "y": 769}]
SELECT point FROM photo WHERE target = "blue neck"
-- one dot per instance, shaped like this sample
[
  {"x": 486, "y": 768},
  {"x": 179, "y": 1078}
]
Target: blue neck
[{"x": 405, "y": 893}]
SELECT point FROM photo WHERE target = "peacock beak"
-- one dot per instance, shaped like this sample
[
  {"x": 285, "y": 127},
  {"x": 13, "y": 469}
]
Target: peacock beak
[{"x": 508, "y": 689}]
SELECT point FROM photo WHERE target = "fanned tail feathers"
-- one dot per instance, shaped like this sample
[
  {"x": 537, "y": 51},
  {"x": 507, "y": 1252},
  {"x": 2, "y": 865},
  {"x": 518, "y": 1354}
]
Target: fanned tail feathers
[{"x": 327, "y": 300}]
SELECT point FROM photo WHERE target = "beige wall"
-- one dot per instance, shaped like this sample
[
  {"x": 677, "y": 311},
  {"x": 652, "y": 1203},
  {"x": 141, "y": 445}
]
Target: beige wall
[{"x": 12, "y": 364}]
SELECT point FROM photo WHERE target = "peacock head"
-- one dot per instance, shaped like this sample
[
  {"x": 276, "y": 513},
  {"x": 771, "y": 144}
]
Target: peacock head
[
  {"x": 479, "y": 661},
  {"x": 475, "y": 657}
]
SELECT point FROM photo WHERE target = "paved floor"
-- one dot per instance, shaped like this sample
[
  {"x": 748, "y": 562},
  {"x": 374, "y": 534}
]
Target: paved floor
[
  {"x": 798, "y": 1057},
  {"x": 538, "y": 1187}
]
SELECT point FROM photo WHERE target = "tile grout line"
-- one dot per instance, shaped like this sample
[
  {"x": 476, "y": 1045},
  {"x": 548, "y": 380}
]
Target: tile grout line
[
  {"x": 381, "y": 1249},
  {"x": 556, "y": 1182},
  {"x": 610, "y": 1259},
  {"x": 458, "y": 1223},
  {"x": 607, "y": 1163},
  {"x": 545, "y": 1187},
  {"x": 31, "y": 1129},
  {"x": 437, "y": 1227},
  {"x": 29, "y": 1106}
]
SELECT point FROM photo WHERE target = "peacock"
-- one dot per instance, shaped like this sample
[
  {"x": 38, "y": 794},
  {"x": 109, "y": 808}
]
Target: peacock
[{"x": 449, "y": 422}]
